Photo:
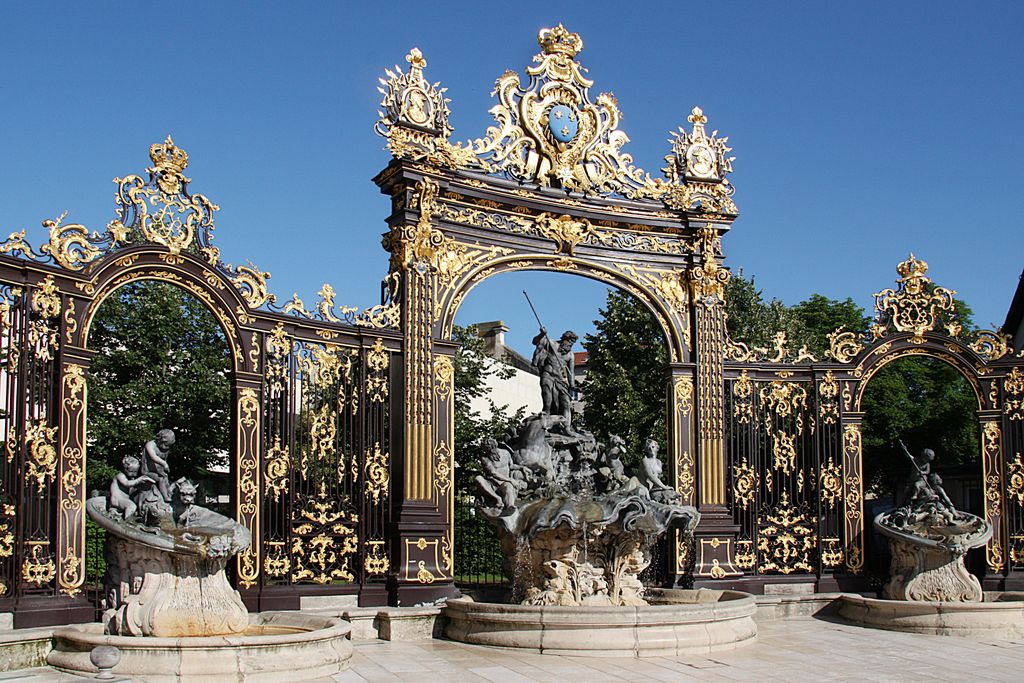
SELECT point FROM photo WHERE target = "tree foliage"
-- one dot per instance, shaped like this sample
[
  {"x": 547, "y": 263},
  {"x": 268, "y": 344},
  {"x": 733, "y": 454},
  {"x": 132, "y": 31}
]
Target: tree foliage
[
  {"x": 161, "y": 361},
  {"x": 926, "y": 403},
  {"x": 627, "y": 374},
  {"x": 755, "y": 322},
  {"x": 478, "y": 553}
]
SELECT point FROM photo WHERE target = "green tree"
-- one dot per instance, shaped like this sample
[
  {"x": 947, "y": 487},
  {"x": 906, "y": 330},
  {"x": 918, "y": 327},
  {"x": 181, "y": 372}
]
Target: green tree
[
  {"x": 755, "y": 322},
  {"x": 926, "y": 403},
  {"x": 627, "y": 374},
  {"x": 477, "y": 550},
  {"x": 749, "y": 318},
  {"x": 817, "y": 317},
  {"x": 161, "y": 361}
]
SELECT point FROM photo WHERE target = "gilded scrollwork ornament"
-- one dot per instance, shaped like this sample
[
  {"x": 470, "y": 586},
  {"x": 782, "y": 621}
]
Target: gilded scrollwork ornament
[
  {"x": 830, "y": 483},
  {"x": 915, "y": 305},
  {"x": 6, "y": 539},
  {"x": 276, "y": 563},
  {"x": 743, "y": 398},
  {"x": 683, "y": 387},
  {"x": 992, "y": 345},
  {"x": 1015, "y": 480},
  {"x": 1013, "y": 391},
  {"x": 44, "y": 328},
  {"x": 279, "y": 351},
  {"x": 745, "y": 484},
  {"x": 843, "y": 346},
  {"x": 786, "y": 539},
  {"x": 377, "y": 467},
  {"x": 828, "y": 398},
  {"x": 40, "y": 446},
  {"x": 38, "y": 567},
  {"x": 324, "y": 539},
  {"x": 707, "y": 282},
  {"x": 376, "y": 562},
  {"x": 278, "y": 464},
  {"x": 832, "y": 553}
]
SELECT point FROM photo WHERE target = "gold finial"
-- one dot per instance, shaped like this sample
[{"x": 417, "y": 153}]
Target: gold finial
[
  {"x": 415, "y": 59},
  {"x": 557, "y": 40},
  {"x": 912, "y": 268},
  {"x": 168, "y": 157},
  {"x": 697, "y": 116}
]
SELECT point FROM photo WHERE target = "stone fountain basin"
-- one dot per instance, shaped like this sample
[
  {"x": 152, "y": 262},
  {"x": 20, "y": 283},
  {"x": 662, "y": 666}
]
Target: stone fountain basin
[
  {"x": 277, "y": 646},
  {"x": 682, "y": 622},
  {"x": 1000, "y": 615}
]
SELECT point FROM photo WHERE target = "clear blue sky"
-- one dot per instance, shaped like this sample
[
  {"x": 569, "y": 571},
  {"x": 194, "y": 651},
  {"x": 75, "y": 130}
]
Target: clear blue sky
[{"x": 862, "y": 131}]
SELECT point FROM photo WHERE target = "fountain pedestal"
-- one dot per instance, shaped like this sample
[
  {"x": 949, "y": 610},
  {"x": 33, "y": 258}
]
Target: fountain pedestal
[
  {"x": 929, "y": 573},
  {"x": 169, "y": 595}
]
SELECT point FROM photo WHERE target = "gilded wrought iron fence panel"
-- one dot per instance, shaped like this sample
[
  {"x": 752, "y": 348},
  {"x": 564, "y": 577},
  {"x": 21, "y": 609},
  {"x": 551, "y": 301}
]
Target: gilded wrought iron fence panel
[
  {"x": 771, "y": 434},
  {"x": 327, "y": 465},
  {"x": 1013, "y": 462},
  {"x": 32, "y": 346},
  {"x": 312, "y": 400}
]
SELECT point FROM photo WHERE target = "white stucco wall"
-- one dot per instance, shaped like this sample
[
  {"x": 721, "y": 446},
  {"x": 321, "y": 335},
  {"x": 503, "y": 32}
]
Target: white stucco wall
[{"x": 520, "y": 390}]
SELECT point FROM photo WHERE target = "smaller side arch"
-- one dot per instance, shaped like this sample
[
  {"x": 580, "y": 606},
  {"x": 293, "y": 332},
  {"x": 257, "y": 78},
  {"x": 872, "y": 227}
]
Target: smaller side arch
[
  {"x": 947, "y": 350},
  {"x": 181, "y": 270}
]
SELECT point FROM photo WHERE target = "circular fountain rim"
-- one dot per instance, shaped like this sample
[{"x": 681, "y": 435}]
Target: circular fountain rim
[
  {"x": 667, "y": 629},
  {"x": 318, "y": 646},
  {"x": 973, "y": 618},
  {"x": 308, "y": 627}
]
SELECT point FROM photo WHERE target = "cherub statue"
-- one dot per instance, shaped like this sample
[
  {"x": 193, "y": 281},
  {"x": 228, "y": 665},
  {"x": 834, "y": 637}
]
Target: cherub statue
[
  {"x": 122, "y": 487},
  {"x": 154, "y": 461}
]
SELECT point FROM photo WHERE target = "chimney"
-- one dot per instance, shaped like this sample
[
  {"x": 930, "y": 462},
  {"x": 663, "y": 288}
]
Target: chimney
[{"x": 493, "y": 334}]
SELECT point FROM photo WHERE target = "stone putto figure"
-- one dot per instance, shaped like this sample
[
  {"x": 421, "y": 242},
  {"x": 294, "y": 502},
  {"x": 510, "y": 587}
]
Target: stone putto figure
[
  {"x": 928, "y": 538},
  {"x": 165, "y": 554}
]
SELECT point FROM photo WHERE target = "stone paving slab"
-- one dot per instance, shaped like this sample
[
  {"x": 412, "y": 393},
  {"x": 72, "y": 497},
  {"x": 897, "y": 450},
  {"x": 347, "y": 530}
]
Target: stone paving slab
[{"x": 790, "y": 651}]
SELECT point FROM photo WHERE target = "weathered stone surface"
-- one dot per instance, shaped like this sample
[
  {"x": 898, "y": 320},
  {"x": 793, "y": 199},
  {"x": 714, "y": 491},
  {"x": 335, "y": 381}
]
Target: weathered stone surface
[
  {"x": 277, "y": 646},
  {"x": 169, "y": 595},
  {"x": 684, "y": 622},
  {"x": 993, "y": 618},
  {"x": 403, "y": 623},
  {"x": 24, "y": 648}
]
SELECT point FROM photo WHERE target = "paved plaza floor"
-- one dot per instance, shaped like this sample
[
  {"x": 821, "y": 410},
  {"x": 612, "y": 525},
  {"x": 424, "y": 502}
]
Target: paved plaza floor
[{"x": 793, "y": 650}]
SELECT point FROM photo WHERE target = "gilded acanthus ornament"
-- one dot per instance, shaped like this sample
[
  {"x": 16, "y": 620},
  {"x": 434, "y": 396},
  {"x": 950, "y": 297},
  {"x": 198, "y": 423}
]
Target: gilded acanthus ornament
[
  {"x": 414, "y": 117},
  {"x": 707, "y": 282},
  {"x": 786, "y": 539},
  {"x": 552, "y": 132},
  {"x": 745, "y": 483},
  {"x": 915, "y": 306}
]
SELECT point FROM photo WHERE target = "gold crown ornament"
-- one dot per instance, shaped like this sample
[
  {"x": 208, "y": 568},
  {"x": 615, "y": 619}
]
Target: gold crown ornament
[{"x": 559, "y": 41}]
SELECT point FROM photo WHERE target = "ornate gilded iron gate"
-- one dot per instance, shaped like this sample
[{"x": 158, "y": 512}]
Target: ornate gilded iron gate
[
  {"x": 312, "y": 405},
  {"x": 795, "y": 447},
  {"x": 786, "y": 477},
  {"x": 343, "y": 454}
]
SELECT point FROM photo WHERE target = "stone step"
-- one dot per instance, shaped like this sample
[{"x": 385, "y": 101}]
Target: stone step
[{"x": 24, "y": 648}]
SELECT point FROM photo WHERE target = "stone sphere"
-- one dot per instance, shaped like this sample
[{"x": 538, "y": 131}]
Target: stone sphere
[{"x": 105, "y": 657}]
